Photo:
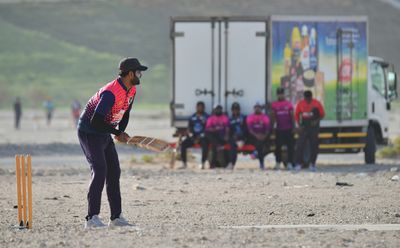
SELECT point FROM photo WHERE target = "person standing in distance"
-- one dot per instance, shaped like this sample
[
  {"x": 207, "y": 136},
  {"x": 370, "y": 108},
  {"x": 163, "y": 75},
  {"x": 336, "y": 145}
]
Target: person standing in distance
[
  {"x": 282, "y": 115},
  {"x": 309, "y": 112},
  {"x": 258, "y": 125},
  {"x": 75, "y": 111},
  {"x": 49, "y": 108},
  {"x": 105, "y": 111},
  {"x": 17, "y": 112}
]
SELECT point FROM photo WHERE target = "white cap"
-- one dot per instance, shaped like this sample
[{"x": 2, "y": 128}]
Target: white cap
[{"x": 257, "y": 104}]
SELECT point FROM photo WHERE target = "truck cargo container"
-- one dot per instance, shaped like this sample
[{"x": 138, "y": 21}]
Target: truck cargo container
[{"x": 245, "y": 59}]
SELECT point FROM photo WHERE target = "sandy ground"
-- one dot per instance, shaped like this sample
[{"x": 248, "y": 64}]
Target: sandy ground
[{"x": 193, "y": 208}]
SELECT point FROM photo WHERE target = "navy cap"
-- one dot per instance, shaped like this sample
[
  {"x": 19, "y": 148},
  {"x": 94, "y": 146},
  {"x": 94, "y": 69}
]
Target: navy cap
[
  {"x": 235, "y": 105},
  {"x": 217, "y": 105},
  {"x": 131, "y": 64}
]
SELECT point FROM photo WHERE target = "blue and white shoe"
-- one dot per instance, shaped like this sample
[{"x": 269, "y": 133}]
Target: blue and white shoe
[
  {"x": 254, "y": 154},
  {"x": 313, "y": 168},
  {"x": 229, "y": 166},
  {"x": 119, "y": 222},
  {"x": 183, "y": 166},
  {"x": 297, "y": 167},
  {"x": 94, "y": 222}
]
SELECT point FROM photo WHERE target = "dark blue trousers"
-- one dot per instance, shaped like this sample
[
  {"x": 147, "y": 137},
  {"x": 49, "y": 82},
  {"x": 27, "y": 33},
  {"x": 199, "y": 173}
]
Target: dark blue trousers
[
  {"x": 190, "y": 141},
  {"x": 104, "y": 164}
]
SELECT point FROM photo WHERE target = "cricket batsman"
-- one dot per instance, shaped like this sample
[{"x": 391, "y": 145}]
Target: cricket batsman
[{"x": 106, "y": 113}]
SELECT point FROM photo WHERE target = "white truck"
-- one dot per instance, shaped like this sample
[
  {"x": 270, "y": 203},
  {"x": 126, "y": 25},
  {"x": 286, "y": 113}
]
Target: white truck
[{"x": 244, "y": 59}]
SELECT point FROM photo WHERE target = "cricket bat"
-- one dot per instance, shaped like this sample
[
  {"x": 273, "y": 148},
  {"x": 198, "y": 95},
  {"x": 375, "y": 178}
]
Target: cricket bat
[
  {"x": 149, "y": 143},
  {"x": 174, "y": 152}
]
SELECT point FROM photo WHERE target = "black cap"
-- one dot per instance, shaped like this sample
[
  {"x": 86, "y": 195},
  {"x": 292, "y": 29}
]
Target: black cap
[
  {"x": 308, "y": 94},
  {"x": 131, "y": 64},
  {"x": 235, "y": 105},
  {"x": 217, "y": 105}
]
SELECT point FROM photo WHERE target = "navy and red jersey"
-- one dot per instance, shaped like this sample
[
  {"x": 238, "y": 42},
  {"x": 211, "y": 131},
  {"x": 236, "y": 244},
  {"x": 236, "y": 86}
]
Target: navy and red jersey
[
  {"x": 197, "y": 124},
  {"x": 113, "y": 102},
  {"x": 237, "y": 126}
]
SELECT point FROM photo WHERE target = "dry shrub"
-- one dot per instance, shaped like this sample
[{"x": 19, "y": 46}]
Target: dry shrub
[{"x": 391, "y": 151}]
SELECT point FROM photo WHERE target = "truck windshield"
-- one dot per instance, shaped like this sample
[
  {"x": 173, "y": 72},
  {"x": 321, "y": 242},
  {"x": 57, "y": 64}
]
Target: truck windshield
[{"x": 378, "y": 78}]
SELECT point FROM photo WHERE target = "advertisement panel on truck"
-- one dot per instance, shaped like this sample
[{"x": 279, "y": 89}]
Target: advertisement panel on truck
[{"x": 327, "y": 57}]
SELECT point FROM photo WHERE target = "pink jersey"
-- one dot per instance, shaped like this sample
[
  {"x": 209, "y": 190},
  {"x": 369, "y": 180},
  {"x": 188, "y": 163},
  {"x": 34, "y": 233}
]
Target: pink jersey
[
  {"x": 258, "y": 123},
  {"x": 217, "y": 123},
  {"x": 283, "y": 113},
  {"x": 121, "y": 104}
]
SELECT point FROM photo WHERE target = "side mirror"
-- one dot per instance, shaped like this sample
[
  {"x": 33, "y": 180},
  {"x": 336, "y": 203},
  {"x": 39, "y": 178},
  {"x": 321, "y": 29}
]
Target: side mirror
[{"x": 392, "y": 85}]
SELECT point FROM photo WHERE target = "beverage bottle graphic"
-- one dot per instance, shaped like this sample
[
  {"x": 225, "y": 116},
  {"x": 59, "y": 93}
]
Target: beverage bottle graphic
[
  {"x": 313, "y": 49},
  {"x": 345, "y": 87},
  {"x": 296, "y": 45},
  {"x": 287, "y": 55},
  {"x": 320, "y": 87},
  {"x": 345, "y": 72},
  {"x": 305, "y": 49}
]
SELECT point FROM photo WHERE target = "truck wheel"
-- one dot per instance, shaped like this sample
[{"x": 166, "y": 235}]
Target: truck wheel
[{"x": 370, "y": 147}]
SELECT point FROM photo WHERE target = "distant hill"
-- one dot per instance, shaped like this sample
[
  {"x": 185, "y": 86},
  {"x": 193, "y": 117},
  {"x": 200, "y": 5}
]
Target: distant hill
[{"x": 67, "y": 49}]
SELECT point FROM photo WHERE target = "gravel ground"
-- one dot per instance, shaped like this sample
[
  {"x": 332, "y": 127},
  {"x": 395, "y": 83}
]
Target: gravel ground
[{"x": 193, "y": 208}]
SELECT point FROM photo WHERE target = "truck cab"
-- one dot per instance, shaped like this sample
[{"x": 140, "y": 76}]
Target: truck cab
[{"x": 382, "y": 90}]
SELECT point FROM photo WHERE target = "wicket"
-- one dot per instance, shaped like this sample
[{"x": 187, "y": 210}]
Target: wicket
[{"x": 24, "y": 190}]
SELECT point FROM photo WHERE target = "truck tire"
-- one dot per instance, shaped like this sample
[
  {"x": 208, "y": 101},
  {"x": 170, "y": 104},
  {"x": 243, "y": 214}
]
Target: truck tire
[{"x": 370, "y": 147}]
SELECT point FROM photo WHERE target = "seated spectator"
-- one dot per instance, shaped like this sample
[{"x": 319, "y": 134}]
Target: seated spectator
[
  {"x": 217, "y": 132},
  {"x": 258, "y": 125},
  {"x": 237, "y": 134},
  {"x": 196, "y": 128}
]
